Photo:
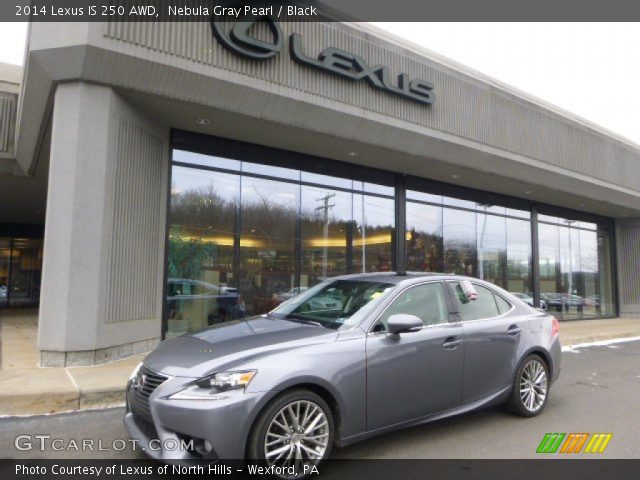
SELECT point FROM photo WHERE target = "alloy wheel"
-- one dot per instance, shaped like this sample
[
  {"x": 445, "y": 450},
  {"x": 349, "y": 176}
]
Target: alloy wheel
[
  {"x": 297, "y": 435},
  {"x": 533, "y": 385}
]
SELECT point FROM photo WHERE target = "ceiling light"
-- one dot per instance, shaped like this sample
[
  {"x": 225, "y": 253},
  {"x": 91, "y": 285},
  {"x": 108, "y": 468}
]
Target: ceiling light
[
  {"x": 353, "y": 154},
  {"x": 455, "y": 176},
  {"x": 527, "y": 192},
  {"x": 203, "y": 121}
]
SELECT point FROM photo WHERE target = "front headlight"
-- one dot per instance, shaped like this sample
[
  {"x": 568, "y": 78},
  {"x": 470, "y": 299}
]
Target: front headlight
[
  {"x": 134, "y": 374},
  {"x": 210, "y": 387}
]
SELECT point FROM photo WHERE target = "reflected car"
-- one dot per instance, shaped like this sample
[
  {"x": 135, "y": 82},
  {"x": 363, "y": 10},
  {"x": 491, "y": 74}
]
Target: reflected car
[
  {"x": 562, "y": 301},
  {"x": 219, "y": 303},
  {"x": 573, "y": 301},
  {"x": 281, "y": 389},
  {"x": 528, "y": 299},
  {"x": 592, "y": 301}
]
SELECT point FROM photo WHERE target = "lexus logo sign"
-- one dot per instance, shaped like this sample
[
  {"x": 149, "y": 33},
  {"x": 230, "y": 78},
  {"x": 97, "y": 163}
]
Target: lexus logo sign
[
  {"x": 239, "y": 41},
  {"x": 332, "y": 60}
]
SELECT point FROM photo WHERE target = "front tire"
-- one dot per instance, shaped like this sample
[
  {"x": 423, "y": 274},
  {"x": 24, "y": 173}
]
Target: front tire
[
  {"x": 295, "y": 429},
  {"x": 530, "y": 390}
]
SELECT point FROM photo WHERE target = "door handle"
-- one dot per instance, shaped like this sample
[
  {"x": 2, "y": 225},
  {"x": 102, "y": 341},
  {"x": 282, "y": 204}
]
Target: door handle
[
  {"x": 514, "y": 330},
  {"x": 451, "y": 343}
]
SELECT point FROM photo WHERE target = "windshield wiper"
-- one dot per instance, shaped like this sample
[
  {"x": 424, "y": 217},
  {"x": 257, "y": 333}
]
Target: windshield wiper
[{"x": 300, "y": 319}]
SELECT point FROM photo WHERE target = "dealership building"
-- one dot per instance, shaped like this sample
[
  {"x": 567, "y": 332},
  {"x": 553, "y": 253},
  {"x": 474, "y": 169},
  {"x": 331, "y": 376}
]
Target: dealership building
[{"x": 157, "y": 178}]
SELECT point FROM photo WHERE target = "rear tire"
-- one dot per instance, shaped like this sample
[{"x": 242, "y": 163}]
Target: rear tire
[
  {"x": 295, "y": 428},
  {"x": 530, "y": 390}
]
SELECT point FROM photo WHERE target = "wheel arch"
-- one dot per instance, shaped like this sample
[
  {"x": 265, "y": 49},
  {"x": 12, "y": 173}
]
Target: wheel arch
[
  {"x": 542, "y": 353},
  {"x": 313, "y": 384}
]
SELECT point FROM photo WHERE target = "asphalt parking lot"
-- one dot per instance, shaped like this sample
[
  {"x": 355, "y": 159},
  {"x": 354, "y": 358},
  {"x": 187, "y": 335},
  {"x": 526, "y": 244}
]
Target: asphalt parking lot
[{"x": 598, "y": 391}]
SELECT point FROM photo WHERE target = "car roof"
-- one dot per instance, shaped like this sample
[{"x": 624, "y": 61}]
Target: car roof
[{"x": 396, "y": 278}]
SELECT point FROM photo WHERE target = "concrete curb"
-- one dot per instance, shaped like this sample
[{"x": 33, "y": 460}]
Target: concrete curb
[{"x": 45, "y": 391}]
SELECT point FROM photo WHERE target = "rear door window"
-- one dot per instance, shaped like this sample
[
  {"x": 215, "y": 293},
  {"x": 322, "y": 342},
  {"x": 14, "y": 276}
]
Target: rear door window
[{"x": 484, "y": 306}]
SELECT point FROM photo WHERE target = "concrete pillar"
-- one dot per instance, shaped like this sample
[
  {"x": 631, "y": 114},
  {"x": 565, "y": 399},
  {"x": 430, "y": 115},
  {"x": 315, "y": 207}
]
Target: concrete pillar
[
  {"x": 628, "y": 259},
  {"x": 105, "y": 229}
]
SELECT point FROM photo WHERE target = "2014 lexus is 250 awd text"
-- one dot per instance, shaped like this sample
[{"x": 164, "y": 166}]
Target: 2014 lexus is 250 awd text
[{"x": 352, "y": 357}]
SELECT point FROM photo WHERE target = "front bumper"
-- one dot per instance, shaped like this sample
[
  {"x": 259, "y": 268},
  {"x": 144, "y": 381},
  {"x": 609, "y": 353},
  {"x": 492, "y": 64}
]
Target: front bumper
[{"x": 211, "y": 429}]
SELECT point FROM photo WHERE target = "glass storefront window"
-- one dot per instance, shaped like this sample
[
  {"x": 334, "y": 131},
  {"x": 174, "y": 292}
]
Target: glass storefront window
[
  {"x": 424, "y": 238},
  {"x": 519, "y": 257},
  {"x": 245, "y": 237},
  {"x": 327, "y": 234},
  {"x": 492, "y": 248},
  {"x": 604, "y": 297},
  {"x": 374, "y": 226},
  {"x": 269, "y": 212},
  {"x": 459, "y": 232},
  {"x": 241, "y": 244},
  {"x": 575, "y": 270},
  {"x": 200, "y": 286}
]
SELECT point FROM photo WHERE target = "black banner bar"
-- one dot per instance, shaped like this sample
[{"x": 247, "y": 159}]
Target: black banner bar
[
  {"x": 318, "y": 10},
  {"x": 547, "y": 469}
]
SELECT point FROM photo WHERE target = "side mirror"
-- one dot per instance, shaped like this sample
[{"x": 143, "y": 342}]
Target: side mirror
[{"x": 401, "y": 322}]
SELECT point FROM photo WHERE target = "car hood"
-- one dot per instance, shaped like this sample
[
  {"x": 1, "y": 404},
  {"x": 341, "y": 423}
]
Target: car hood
[{"x": 232, "y": 343}]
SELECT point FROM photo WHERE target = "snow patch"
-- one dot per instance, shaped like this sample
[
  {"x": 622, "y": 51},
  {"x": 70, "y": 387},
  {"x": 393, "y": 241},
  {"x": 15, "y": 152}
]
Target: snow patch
[{"x": 600, "y": 343}]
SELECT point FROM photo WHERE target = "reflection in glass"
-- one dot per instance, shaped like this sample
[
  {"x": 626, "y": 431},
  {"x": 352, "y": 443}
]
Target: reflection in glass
[
  {"x": 240, "y": 245},
  {"x": 269, "y": 214},
  {"x": 575, "y": 270},
  {"x": 374, "y": 224},
  {"x": 588, "y": 279},
  {"x": 519, "y": 257},
  {"x": 459, "y": 232},
  {"x": 202, "y": 217},
  {"x": 604, "y": 294},
  {"x": 492, "y": 248},
  {"x": 327, "y": 234},
  {"x": 424, "y": 238},
  {"x": 549, "y": 263}
]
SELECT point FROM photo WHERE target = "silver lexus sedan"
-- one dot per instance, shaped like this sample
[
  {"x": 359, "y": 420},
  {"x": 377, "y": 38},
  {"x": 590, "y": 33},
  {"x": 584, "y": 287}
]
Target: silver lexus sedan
[{"x": 390, "y": 352}]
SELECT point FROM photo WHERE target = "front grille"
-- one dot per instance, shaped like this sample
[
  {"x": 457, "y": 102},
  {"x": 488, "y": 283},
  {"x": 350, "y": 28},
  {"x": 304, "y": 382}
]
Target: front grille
[{"x": 143, "y": 386}]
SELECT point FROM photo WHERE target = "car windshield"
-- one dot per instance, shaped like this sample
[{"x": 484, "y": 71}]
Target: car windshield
[{"x": 335, "y": 304}]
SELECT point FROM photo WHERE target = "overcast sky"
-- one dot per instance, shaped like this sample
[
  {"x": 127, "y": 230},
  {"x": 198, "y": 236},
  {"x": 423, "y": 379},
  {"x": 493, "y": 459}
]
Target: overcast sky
[{"x": 590, "y": 69}]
